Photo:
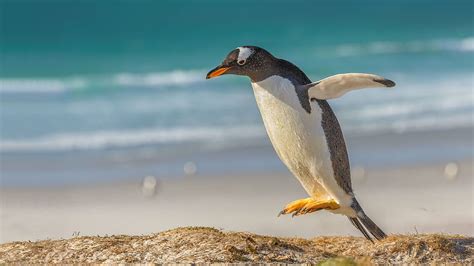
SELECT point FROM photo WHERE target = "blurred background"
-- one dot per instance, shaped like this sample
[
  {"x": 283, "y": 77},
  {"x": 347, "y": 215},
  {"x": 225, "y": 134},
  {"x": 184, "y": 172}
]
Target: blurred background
[{"x": 109, "y": 126}]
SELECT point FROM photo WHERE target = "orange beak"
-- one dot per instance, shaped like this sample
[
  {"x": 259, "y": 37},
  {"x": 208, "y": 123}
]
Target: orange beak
[{"x": 217, "y": 72}]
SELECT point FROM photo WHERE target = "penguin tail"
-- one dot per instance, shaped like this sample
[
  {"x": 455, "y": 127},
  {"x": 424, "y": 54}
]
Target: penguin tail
[{"x": 365, "y": 224}]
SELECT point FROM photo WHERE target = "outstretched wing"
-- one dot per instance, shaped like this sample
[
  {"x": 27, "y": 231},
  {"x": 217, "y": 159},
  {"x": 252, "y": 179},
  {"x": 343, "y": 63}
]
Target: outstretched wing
[{"x": 338, "y": 85}]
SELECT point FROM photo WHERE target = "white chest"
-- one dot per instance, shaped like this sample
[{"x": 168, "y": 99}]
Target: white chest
[{"x": 296, "y": 135}]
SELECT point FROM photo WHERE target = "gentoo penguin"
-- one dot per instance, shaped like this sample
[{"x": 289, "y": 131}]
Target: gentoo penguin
[{"x": 304, "y": 130}]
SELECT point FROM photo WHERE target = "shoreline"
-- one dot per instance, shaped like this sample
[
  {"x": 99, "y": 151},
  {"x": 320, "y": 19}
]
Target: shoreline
[
  {"x": 375, "y": 151},
  {"x": 431, "y": 203}
]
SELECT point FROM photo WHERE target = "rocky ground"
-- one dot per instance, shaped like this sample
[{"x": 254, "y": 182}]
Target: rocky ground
[{"x": 202, "y": 244}]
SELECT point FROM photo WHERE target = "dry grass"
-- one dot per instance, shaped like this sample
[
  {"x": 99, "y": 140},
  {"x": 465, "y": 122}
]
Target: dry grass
[{"x": 202, "y": 244}]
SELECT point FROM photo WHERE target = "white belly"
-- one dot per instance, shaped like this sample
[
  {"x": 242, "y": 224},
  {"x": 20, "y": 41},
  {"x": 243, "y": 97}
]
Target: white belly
[{"x": 298, "y": 137}]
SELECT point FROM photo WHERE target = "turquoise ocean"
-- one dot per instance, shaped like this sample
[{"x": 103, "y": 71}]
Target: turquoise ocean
[{"x": 110, "y": 90}]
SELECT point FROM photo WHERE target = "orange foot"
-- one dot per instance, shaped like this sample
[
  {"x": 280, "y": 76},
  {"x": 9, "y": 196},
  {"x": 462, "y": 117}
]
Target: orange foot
[{"x": 308, "y": 205}]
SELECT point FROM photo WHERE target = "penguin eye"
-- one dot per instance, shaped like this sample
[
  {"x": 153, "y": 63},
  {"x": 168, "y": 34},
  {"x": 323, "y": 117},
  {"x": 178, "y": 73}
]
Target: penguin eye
[{"x": 241, "y": 62}]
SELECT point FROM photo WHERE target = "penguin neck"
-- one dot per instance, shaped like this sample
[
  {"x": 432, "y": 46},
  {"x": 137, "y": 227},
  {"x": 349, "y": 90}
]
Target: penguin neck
[{"x": 282, "y": 68}]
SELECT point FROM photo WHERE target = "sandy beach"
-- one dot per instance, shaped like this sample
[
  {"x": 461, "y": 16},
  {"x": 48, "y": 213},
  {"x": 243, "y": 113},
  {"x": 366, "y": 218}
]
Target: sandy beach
[{"x": 402, "y": 200}]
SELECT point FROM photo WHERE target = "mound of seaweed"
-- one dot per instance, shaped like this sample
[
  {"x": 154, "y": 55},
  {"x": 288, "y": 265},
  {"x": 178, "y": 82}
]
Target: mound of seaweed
[{"x": 202, "y": 244}]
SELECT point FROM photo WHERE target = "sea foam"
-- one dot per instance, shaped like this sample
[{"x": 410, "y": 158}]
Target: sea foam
[
  {"x": 131, "y": 138},
  {"x": 388, "y": 47},
  {"x": 35, "y": 85}
]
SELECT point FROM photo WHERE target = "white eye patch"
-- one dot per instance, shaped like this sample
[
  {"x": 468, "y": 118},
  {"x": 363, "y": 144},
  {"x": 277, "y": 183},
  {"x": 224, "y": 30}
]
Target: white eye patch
[{"x": 244, "y": 53}]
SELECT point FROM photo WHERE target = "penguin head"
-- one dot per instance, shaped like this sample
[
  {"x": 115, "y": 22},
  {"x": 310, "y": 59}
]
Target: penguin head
[{"x": 248, "y": 61}]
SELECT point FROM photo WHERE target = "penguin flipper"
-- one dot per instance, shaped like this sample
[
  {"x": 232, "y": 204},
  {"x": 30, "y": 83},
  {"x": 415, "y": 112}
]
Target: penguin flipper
[{"x": 338, "y": 85}]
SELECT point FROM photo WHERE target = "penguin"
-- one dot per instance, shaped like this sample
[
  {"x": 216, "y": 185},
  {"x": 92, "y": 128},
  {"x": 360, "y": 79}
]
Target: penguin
[{"x": 304, "y": 130}]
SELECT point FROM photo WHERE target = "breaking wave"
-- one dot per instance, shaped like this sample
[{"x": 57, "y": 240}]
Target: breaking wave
[
  {"x": 131, "y": 138},
  {"x": 386, "y": 47},
  {"x": 129, "y": 80},
  {"x": 29, "y": 85},
  {"x": 177, "y": 77}
]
